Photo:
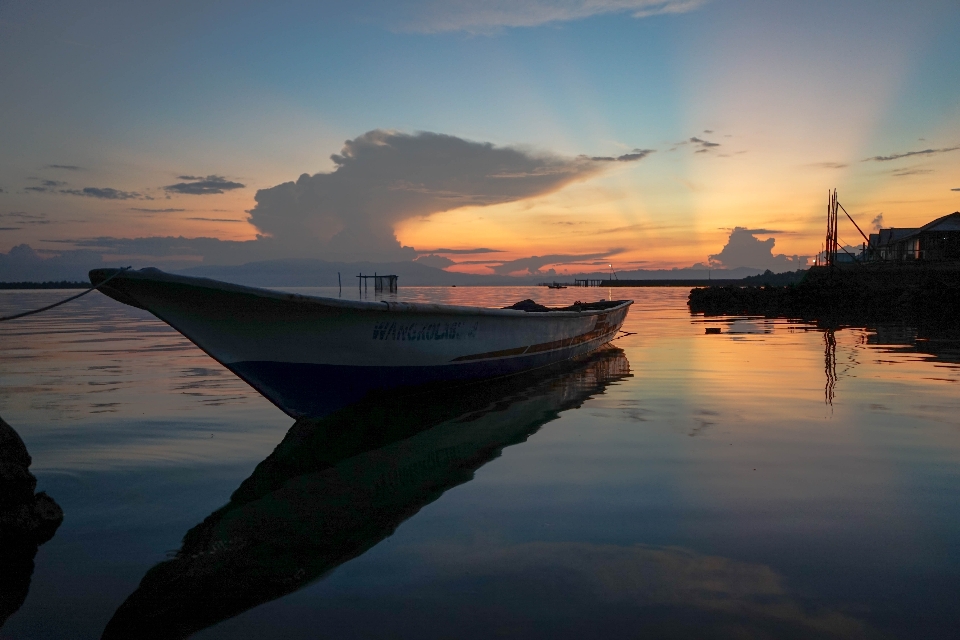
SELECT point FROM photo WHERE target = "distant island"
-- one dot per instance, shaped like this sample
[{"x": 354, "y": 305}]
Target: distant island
[
  {"x": 273, "y": 274},
  {"x": 63, "y": 284}
]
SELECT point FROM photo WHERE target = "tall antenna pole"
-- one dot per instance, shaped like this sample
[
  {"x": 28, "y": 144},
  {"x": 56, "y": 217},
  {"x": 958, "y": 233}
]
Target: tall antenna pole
[{"x": 826, "y": 245}]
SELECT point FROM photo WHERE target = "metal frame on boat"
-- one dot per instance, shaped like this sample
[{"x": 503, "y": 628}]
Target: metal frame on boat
[{"x": 311, "y": 355}]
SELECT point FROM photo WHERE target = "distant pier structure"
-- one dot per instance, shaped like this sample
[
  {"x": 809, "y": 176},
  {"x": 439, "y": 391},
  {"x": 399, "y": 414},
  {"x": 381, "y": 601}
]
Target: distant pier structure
[
  {"x": 586, "y": 283},
  {"x": 386, "y": 283}
]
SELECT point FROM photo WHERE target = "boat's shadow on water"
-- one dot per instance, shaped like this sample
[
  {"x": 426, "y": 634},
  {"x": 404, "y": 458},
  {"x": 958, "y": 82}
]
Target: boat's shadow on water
[{"x": 335, "y": 487}]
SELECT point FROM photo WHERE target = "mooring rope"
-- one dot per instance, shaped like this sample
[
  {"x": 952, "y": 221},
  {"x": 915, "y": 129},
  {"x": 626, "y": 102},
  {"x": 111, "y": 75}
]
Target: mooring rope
[{"x": 57, "y": 304}]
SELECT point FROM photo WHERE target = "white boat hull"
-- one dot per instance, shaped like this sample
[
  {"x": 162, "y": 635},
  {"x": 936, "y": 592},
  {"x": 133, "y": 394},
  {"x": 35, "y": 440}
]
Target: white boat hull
[{"x": 311, "y": 356}]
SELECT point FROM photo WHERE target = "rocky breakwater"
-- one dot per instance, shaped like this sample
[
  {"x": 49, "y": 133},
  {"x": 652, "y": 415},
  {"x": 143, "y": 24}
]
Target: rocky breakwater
[
  {"x": 918, "y": 294},
  {"x": 27, "y": 520}
]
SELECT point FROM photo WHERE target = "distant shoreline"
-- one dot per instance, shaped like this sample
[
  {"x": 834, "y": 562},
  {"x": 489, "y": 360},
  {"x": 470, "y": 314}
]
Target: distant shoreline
[{"x": 63, "y": 284}]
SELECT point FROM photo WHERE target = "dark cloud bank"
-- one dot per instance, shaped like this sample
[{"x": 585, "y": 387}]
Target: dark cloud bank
[
  {"x": 202, "y": 186},
  {"x": 105, "y": 193},
  {"x": 384, "y": 177},
  {"x": 348, "y": 215}
]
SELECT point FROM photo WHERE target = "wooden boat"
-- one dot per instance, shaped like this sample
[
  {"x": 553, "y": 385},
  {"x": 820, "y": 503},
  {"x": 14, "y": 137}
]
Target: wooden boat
[{"x": 311, "y": 355}]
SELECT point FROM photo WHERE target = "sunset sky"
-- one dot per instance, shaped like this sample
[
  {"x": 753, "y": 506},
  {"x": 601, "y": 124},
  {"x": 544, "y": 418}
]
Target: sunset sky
[{"x": 584, "y": 132}]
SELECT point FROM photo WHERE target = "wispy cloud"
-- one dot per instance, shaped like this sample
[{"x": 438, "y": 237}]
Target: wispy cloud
[
  {"x": 909, "y": 172},
  {"x": 492, "y": 16},
  {"x": 105, "y": 193},
  {"x": 462, "y": 251},
  {"x": 705, "y": 145},
  {"x": 202, "y": 186},
  {"x": 22, "y": 217},
  {"x": 829, "y": 165},
  {"x": 764, "y": 232},
  {"x": 64, "y": 167},
  {"x": 533, "y": 264},
  {"x": 907, "y": 154},
  {"x": 216, "y": 219},
  {"x": 633, "y": 156},
  {"x": 957, "y": 189},
  {"x": 147, "y": 210}
]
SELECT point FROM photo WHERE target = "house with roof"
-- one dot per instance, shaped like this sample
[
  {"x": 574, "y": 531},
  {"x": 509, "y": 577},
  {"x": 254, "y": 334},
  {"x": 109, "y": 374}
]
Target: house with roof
[{"x": 936, "y": 241}]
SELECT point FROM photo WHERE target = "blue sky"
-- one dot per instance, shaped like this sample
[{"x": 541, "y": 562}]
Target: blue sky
[{"x": 794, "y": 96}]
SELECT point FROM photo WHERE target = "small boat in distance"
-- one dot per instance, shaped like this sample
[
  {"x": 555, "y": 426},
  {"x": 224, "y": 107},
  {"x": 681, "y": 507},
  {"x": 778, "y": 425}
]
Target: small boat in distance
[
  {"x": 556, "y": 285},
  {"x": 311, "y": 356}
]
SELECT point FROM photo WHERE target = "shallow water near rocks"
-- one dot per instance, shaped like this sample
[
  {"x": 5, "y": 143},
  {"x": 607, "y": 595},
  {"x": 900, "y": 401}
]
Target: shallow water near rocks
[{"x": 770, "y": 480}]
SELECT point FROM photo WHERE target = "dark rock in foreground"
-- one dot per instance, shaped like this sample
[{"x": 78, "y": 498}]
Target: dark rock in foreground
[{"x": 27, "y": 520}]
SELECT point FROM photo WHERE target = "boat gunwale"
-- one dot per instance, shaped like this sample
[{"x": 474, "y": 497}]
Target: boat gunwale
[{"x": 152, "y": 274}]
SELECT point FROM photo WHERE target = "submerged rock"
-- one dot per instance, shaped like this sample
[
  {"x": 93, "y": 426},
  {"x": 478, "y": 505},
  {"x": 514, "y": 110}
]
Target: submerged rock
[{"x": 27, "y": 520}]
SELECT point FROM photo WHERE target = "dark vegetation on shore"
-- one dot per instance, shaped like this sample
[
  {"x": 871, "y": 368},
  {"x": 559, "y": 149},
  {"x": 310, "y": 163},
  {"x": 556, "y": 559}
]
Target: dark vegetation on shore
[
  {"x": 62, "y": 284},
  {"x": 776, "y": 279}
]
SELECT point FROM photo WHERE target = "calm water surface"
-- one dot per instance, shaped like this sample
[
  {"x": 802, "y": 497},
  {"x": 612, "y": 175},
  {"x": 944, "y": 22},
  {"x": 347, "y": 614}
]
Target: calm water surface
[{"x": 772, "y": 480}]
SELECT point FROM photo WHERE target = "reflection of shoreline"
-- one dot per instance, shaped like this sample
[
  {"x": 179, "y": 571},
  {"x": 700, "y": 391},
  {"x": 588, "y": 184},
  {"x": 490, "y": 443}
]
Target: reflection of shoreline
[
  {"x": 939, "y": 344},
  {"x": 338, "y": 486}
]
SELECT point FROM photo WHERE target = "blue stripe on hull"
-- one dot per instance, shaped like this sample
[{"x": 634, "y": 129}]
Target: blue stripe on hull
[{"x": 314, "y": 390}]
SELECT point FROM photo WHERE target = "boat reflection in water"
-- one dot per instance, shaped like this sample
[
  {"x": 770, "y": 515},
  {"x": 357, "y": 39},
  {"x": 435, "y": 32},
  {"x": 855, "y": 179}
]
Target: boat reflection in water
[{"x": 335, "y": 487}]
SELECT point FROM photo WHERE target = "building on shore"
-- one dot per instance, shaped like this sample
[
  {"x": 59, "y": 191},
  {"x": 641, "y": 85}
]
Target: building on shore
[{"x": 936, "y": 241}]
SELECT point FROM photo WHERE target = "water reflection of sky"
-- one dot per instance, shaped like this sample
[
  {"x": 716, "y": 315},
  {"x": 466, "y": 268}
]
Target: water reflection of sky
[{"x": 773, "y": 478}]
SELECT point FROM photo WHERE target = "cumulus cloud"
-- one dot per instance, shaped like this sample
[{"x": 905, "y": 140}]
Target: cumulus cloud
[
  {"x": 744, "y": 249},
  {"x": 104, "y": 193},
  {"x": 202, "y": 186},
  {"x": 907, "y": 154},
  {"x": 490, "y": 16},
  {"x": 433, "y": 260},
  {"x": 384, "y": 177}
]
